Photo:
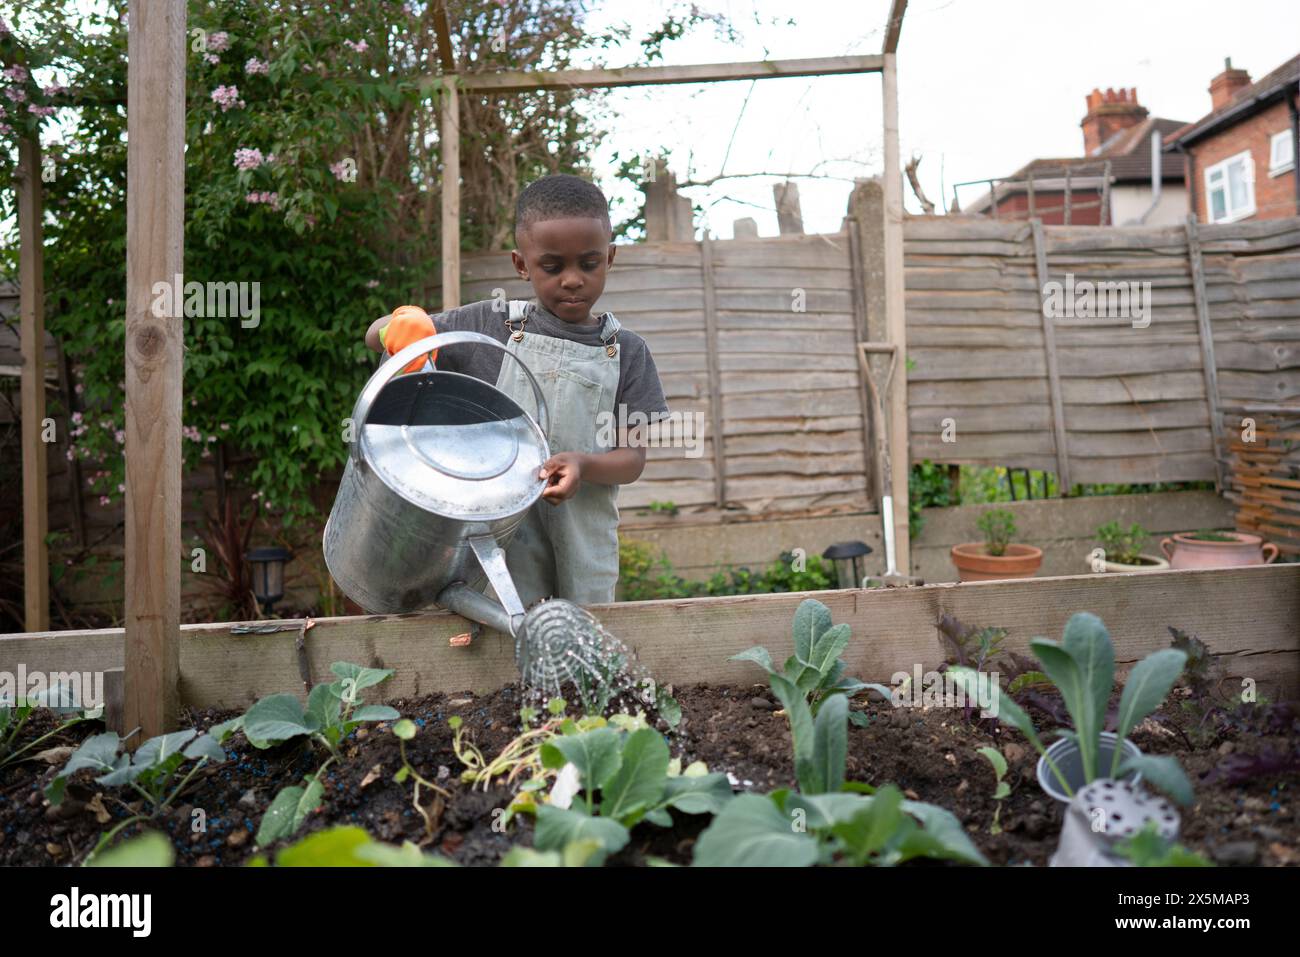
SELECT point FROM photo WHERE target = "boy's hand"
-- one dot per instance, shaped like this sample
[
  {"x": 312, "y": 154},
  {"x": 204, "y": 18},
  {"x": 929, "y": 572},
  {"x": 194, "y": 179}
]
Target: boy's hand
[
  {"x": 409, "y": 324},
  {"x": 563, "y": 473}
]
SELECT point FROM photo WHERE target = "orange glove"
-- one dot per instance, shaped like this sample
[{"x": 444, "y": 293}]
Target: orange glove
[{"x": 409, "y": 324}]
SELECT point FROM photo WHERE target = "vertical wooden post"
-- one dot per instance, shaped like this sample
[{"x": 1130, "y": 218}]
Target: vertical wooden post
[
  {"x": 1103, "y": 214},
  {"x": 895, "y": 318},
  {"x": 715, "y": 370},
  {"x": 31, "y": 282},
  {"x": 1053, "y": 372},
  {"x": 1206, "y": 335},
  {"x": 155, "y": 233},
  {"x": 450, "y": 146}
]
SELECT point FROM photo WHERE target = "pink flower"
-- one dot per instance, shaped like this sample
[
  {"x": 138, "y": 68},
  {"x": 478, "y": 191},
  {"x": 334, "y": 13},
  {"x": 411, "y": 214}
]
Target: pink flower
[
  {"x": 76, "y": 418},
  {"x": 360, "y": 46},
  {"x": 70, "y": 455},
  {"x": 5, "y": 129},
  {"x": 219, "y": 41},
  {"x": 17, "y": 73},
  {"x": 121, "y": 488},
  {"x": 119, "y": 437},
  {"x": 248, "y": 159},
  {"x": 372, "y": 284},
  {"x": 270, "y": 158},
  {"x": 16, "y": 93},
  {"x": 105, "y": 501},
  {"x": 79, "y": 388},
  {"x": 254, "y": 65},
  {"x": 342, "y": 171},
  {"x": 225, "y": 97},
  {"x": 225, "y": 426},
  {"x": 40, "y": 110},
  {"x": 211, "y": 58},
  {"x": 54, "y": 89}
]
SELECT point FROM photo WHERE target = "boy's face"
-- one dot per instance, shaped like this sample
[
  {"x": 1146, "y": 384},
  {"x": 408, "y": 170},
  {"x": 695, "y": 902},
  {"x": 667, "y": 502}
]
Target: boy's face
[{"x": 566, "y": 260}]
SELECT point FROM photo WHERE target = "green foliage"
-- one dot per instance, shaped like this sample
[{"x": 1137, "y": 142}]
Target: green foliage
[
  {"x": 928, "y": 486},
  {"x": 151, "y": 770},
  {"x": 150, "y": 849},
  {"x": 998, "y": 526},
  {"x": 1123, "y": 545},
  {"x": 624, "y": 776},
  {"x": 14, "y": 718},
  {"x": 348, "y": 846},
  {"x": 1082, "y": 666},
  {"x": 333, "y": 710},
  {"x": 1001, "y": 789},
  {"x": 1209, "y": 535},
  {"x": 815, "y": 672},
  {"x": 1148, "y": 849},
  {"x": 645, "y": 573},
  {"x": 666, "y": 508}
]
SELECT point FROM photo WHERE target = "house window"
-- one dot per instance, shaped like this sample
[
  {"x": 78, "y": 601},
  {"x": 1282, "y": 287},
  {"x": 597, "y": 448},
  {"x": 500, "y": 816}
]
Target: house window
[
  {"x": 1230, "y": 188},
  {"x": 1281, "y": 153}
]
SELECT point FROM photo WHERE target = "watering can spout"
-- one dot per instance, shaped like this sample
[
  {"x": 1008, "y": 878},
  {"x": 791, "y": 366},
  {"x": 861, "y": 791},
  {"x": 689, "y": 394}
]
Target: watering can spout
[{"x": 476, "y": 606}]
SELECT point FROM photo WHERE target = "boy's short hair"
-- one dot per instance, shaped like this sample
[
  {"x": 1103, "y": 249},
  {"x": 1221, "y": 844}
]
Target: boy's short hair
[{"x": 560, "y": 197}]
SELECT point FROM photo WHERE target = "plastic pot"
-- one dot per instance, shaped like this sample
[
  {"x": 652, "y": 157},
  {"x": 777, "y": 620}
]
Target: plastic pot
[
  {"x": 1105, "y": 813},
  {"x": 975, "y": 564},
  {"x": 1069, "y": 761},
  {"x": 1186, "y": 551}
]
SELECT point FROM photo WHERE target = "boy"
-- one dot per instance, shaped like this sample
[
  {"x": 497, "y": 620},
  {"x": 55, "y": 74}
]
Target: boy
[{"x": 588, "y": 367}]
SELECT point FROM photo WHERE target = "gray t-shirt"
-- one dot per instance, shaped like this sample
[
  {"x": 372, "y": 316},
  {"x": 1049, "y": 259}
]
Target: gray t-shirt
[{"x": 639, "y": 388}]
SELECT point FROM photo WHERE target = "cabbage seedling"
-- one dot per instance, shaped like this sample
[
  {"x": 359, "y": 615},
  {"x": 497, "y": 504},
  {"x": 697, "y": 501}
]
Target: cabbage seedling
[{"x": 995, "y": 758}]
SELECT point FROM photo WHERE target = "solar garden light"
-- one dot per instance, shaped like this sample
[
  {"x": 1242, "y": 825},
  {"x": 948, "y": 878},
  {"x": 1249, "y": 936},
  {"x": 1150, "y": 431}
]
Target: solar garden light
[
  {"x": 268, "y": 574},
  {"x": 848, "y": 557}
]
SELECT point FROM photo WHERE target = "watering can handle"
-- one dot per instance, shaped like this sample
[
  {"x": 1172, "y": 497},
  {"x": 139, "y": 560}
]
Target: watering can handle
[{"x": 395, "y": 363}]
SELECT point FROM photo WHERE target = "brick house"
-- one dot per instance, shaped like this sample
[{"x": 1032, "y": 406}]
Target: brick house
[
  {"x": 1240, "y": 158},
  {"x": 1117, "y": 132}
]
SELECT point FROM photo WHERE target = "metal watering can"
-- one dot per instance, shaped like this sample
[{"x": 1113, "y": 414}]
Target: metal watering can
[{"x": 440, "y": 472}]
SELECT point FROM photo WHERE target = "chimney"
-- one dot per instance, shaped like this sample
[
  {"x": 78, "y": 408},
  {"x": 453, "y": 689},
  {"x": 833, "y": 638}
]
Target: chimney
[
  {"x": 1226, "y": 85},
  {"x": 1108, "y": 113}
]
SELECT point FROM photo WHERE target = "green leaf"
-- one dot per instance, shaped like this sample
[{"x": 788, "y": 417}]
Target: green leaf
[
  {"x": 289, "y": 809},
  {"x": 995, "y": 758},
  {"x": 276, "y": 718},
  {"x": 1087, "y": 641},
  {"x": 334, "y": 847},
  {"x": 557, "y": 826},
  {"x": 407, "y": 855},
  {"x": 1161, "y": 771},
  {"x": 640, "y": 779},
  {"x": 873, "y": 825},
  {"x": 98, "y": 752},
  {"x": 823, "y": 811},
  {"x": 374, "y": 712},
  {"x": 157, "y": 750},
  {"x": 829, "y": 646},
  {"x": 150, "y": 849},
  {"x": 758, "y": 654},
  {"x": 1064, "y": 671},
  {"x": 801, "y": 730},
  {"x": 324, "y": 706},
  {"x": 752, "y": 832},
  {"x": 811, "y": 620},
  {"x": 830, "y": 744},
  {"x": 220, "y": 732},
  {"x": 696, "y": 794},
  {"x": 946, "y": 830},
  {"x": 205, "y": 746},
  {"x": 404, "y": 729},
  {"x": 360, "y": 678},
  {"x": 1147, "y": 685},
  {"x": 596, "y": 754},
  {"x": 668, "y": 707}
]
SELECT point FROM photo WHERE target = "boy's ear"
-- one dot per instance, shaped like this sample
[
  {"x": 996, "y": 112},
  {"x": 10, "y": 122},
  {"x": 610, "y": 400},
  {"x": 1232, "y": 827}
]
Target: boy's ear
[
  {"x": 610, "y": 261},
  {"x": 521, "y": 267}
]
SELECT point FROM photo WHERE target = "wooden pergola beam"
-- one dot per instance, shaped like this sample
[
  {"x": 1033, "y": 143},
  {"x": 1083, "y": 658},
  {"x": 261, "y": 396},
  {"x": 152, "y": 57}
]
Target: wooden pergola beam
[
  {"x": 522, "y": 80},
  {"x": 442, "y": 34},
  {"x": 155, "y": 232},
  {"x": 894, "y": 26},
  {"x": 31, "y": 308}
]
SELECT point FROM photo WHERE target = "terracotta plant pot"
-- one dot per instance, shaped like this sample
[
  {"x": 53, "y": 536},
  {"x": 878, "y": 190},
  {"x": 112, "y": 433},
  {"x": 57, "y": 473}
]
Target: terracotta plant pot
[
  {"x": 1151, "y": 563},
  {"x": 975, "y": 564},
  {"x": 1184, "y": 551}
]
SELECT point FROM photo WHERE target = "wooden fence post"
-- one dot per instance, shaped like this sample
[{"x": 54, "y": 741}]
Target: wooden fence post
[
  {"x": 1206, "y": 336},
  {"x": 1053, "y": 373},
  {"x": 450, "y": 146},
  {"x": 715, "y": 369},
  {"x": 155, "y": 241},
  {"x": 31, "y": 281},
  {"x": 895, "y": 318}
]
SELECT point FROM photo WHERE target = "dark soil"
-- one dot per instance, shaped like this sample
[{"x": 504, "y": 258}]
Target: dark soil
[{"x": 929, "y": 754}]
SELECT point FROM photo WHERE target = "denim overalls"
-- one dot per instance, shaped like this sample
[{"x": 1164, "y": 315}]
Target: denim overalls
[{"x": 569, "y": 550}]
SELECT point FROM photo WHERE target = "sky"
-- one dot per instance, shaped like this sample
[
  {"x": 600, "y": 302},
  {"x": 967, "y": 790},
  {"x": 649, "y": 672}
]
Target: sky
[{"x": 984, "y": 86}]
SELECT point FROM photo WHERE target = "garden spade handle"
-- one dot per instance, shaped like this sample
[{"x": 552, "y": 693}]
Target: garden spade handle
[{"x": 398, "y": 361}]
